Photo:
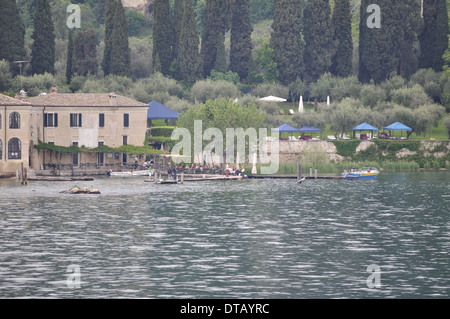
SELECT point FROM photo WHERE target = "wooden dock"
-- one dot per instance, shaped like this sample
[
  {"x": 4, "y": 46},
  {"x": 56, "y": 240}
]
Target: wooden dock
[
  {"x": 60, "y": 179},
  {"x": 195, "y": 178}
]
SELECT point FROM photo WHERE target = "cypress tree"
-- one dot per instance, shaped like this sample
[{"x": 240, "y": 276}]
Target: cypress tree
[
  {"x": 286, "y": 40},
  {"x": 188, "y": 57},
  {"x": 241, "y": 42},
  {"x": 84, "y": 60},
  {"x": 379, "y": 48},
  {"x": 116, "y": 56},
  {"x": 101, "y": 10},
  {"x": 162, "y": 35},
  {"x": 111, "y": 6},
  {"x": 342, "y": 30},
  {"x": 411, "y": 24},
  {"x": 177, "y": 21},
  {"x": 69, "y": 58},
  {"x": 221, "y": 57},
  {"x": 120, "y": 54},
  {"x": 433, "y": 39},
  {"x": 12, "y": 32},
  {"x": 43, "y": 48},
  {"x": 318, "y": 37},
  {"x": 216, "y": 21}
]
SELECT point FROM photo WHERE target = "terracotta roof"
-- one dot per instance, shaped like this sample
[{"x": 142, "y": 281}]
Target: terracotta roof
[
  {"x": 84, "y": 100},
  {"x": 9, "y": 101}
]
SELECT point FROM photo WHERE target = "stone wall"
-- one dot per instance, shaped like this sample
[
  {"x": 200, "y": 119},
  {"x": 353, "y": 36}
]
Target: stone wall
[{"x": 295, "y": 151}]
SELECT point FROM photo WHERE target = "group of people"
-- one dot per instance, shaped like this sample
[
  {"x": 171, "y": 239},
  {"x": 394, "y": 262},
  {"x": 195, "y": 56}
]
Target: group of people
[{"x": 235, "y": 171}]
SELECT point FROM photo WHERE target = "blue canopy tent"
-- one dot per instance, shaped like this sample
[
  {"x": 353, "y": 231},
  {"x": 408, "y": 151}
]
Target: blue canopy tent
[
  {"x": 364, "y": 127},
  {"x": 309, "y": 129},
  {"x": 397, "y": 126},
  {"x": 285, "y": 128},
  {"x": 157, "y": 111}
]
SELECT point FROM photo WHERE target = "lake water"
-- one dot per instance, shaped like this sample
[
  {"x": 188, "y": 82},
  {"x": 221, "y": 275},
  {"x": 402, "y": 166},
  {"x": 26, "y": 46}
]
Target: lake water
[{"x": 237, "y": 239}]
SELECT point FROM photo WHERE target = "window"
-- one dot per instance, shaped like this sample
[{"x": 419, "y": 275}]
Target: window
[
  {"x": 14, "y": 149},
  {"x": 51, "y": 120},
  {"x": 0, "y": 121},
  {"x": 126, "y": 120},
  {"x": 125, "y": 140},
  {"x": 101, "y": 120},
  {"x": 14, "y": 120},
  {"x": 1, "y": 150},
  {"x": 75, "y": 120}
]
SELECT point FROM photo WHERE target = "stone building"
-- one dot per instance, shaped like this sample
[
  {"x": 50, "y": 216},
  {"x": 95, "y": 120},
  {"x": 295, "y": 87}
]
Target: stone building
[
  {"x": 87, "y": 120},
  {"x": 14, "y": 135}
]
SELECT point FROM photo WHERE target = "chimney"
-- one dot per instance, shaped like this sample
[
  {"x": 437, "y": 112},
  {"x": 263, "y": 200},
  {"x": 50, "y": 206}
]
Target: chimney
[{"x": 53, "y": 90}]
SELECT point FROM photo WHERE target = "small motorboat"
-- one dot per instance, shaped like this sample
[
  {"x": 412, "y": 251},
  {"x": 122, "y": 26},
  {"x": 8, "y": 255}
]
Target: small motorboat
[
  {"x": 362, "y": 173},
  {"x": 127, "y": 173}
]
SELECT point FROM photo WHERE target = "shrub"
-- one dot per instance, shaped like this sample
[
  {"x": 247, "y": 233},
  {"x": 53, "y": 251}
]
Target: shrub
[
  {"x": 447, "y": 125},
  {"x": 274, "y": 89},
  {"x": 162, "y": 131},
  {"x": 411, "y": 97},
  {"x": 211, "y": 90},
  {"x": 372, "y": 95},
  {"x": 430, "y": 80}
]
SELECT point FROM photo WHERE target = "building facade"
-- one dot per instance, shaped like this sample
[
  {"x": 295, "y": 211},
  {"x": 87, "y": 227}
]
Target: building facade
[
  {"x": 86, "y": 120},
  {"x": 14, "y": 135}
]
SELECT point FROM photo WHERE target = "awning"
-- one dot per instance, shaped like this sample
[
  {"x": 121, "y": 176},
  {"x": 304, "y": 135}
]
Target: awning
[
  {"x": 273, "y": 99},
  {"x": 397, "y": 126},
  {"x": 157, "y": 111},
  {"x": 285, "y": 128},
  {"x": 309, "y": 129},
  {"x": 365, "y": 127}
]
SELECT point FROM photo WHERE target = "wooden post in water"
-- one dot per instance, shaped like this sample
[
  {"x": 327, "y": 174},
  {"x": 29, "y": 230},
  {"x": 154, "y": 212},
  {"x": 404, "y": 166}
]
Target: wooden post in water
[
  {"x": 315, "y": 173},
  {"x": 299, "y": 173},
  {"x": 182, "y": 177},
  {"x": 156, "y": 177},
  {"x": 310, "y": 172},
  {"x": 21, "y": 174}
]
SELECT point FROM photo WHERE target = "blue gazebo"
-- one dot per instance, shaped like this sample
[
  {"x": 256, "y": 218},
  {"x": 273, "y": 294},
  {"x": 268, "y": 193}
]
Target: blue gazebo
[
  {"x": 309, "y": 129},
  {"x": 397, "y": 126},
  {"x": 157, "y": 111},
  {"x": 364, "y": 127},
  {"x": 285, "y": 128}
]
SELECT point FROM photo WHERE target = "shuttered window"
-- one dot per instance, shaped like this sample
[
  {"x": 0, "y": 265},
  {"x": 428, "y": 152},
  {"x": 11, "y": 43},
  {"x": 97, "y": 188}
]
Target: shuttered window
[
  {"x": 51, "y": 120},
  {"x": 75, "y": 120},
  {"x": 101, "y": 120},
  {"x": 1, "y": 150}
]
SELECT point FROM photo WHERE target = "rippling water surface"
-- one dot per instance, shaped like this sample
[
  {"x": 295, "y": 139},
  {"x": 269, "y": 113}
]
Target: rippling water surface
[{"x": 240, "y": 239}]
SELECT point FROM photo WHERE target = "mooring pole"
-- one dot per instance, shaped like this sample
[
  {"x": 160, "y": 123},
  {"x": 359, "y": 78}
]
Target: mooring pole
[
  {"x": 21, "y": 176},
  {"x": 182, "y": 177},
  {"x": 299, "y": 173},
  {"x": 315, "y": 173}
]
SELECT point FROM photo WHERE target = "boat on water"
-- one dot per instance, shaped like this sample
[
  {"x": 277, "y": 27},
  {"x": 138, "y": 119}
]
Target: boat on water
[
  {"x": 128, "y": 173},
  {"x": 362, "y": 173}
]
